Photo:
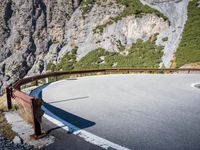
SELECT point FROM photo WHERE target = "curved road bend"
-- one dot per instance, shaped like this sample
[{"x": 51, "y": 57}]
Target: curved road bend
[{"x": 133, "y": 111}]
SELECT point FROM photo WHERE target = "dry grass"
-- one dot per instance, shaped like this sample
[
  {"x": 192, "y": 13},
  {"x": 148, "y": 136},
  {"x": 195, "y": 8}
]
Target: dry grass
[
  {"x": 5, "y": 127},
  {"x": 2, "y": 104},
  {"x": 192, "y": 65}
]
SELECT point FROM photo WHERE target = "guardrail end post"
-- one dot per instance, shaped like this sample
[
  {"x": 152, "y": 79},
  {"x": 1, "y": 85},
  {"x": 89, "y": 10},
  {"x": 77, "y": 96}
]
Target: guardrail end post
[
  {"x": 37, "y": 114},
  {"x": 8, "y": 95}
]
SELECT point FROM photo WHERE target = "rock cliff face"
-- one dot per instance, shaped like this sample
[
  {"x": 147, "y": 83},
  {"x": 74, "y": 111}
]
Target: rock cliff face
[
  {"x": 28, "y": 28},
  {"x": 176, "y": 11},
  {"x": 34, "y": 32}
]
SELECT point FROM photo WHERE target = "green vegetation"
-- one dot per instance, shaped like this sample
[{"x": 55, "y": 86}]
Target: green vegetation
[
  {"x": 86, "y": 6},
  {"x": 51, "y": 66},
  {"x": 131, "y": 7},
  {"x": 40, "y": 36},
  {"x": 67, "y": 62},
  {"x": 91, "y": 60},
  {"x": 97, "y": 42},
  {"x": 189, "y": 48},
  {"x": 5, "y": 128},
  {"x": 165, "y": 39},
  {"x": 137, "y": 8},
  {"x": 141, "y": 54}
]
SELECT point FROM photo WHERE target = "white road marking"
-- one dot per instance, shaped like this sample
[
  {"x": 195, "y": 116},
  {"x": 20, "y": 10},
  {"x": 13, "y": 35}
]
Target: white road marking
[{"x": 87, "y": 136}]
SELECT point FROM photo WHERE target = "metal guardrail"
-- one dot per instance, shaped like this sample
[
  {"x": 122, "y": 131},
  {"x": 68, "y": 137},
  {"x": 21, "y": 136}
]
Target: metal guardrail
[{"x": 32, "y": 106}]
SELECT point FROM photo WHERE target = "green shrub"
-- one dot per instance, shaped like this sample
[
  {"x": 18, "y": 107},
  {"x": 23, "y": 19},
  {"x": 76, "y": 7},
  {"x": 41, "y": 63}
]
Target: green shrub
[
  {"x": 141, "y": 54},
  {"x": 66, "y": 63},
  {"x": 51, "y": 66},
  {"x": 165, "y": 39},
  {"x": 86, "y": 6},
  {"x": 91, "y": 60}
]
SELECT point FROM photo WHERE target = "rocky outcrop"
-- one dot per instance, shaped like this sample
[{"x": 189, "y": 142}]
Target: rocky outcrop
[
  {"x": 123, "y": 32},
  {"x": 34, "y": 32},
  {"x": 28, "y": 29},
  {"x": 176, "y": 11}
]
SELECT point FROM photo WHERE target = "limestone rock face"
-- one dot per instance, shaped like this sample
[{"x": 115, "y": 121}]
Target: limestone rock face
[
  {"x": 34, "y": 32},
  {"x": 125, "y": 31},
  {"x": 176, "y": 11},
  {"x": 27, "y": 30}
]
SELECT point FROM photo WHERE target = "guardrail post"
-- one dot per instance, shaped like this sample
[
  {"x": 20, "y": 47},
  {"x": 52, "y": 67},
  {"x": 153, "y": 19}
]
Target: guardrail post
[
  {"x": 9, "y": 94},
  {"x": 36, "y": 123},
  {"x": 188, "y": 71},
  {"x": 36, "y": 83}
]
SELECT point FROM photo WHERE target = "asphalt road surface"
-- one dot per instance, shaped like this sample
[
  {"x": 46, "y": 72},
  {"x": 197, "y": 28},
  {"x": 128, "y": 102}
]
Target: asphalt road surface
[
  {"x": 134, "y": 111},
  {"x": 64, "y": 140}
]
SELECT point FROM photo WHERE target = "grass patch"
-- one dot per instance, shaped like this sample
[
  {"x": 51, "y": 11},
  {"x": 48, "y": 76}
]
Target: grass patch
[
  {"x": 67, "y": 62},
  {"x": 86, "y": 6},
  {"x": 2, "y": 106},
  {"x": 132, "y": 7},
  {"x": 189, "y": 48},
  {"x": 141, "y": 54},
  {"x": 5, "y": 128}
]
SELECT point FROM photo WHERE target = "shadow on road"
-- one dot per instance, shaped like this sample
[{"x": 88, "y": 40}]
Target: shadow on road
[
  {"x": 71, "y": 79},
  {"x": 77, "y": 121},
  {"x": 55, "y": 128}
]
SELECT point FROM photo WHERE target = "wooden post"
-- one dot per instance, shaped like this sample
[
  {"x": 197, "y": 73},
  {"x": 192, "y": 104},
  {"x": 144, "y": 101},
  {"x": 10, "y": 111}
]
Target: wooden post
[
  {"x": 56, "y": 78},
  {"x": 188, "y": 71},
  {"x": 36, "y": 123},
  {"x": 8, "y": 94},
  {"x": 36, "y": 83}
]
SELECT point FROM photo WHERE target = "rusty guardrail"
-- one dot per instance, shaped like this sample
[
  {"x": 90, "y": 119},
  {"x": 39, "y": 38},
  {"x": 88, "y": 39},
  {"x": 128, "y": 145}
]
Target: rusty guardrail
[{"x": 32, "y": 106}]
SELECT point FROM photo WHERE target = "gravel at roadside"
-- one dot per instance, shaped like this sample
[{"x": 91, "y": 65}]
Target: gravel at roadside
[{"x": 6, "y": 144}]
